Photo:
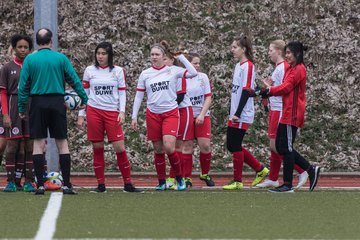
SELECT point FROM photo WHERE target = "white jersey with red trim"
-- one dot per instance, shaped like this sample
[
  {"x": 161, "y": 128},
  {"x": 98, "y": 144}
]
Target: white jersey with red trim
[
  {"x": 186, "y": 101},
  {"x": 244, "y": 77},
  {"x": 278, "y": 78},
  {"x": 104, "y": 86},
  {"x": 162, "y": 86},
  {"x": 198, "y": 88}
]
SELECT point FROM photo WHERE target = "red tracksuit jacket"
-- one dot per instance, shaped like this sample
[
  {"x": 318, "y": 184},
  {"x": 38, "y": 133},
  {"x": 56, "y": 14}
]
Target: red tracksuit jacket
[{"x": 293, "y": 92}]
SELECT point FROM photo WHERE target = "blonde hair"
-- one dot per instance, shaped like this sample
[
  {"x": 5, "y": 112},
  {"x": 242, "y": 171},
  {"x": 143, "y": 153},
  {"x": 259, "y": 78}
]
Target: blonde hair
[{"x": 279, "y": 45}]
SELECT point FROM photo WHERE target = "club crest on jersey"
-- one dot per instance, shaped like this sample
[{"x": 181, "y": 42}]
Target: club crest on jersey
[
  {"x": 103, "y": 90},
  {"x": 15, "y": 131},
  {"x": 2, "y": 130},
  {"x": 196, "y": 100},
  {"x": 235, "y": 88},
  {"x": 159, "y": 86}
]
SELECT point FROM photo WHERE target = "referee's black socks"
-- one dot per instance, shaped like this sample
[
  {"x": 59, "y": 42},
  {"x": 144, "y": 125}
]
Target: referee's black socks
[
  {"x": 65, "y": 165},
  {"x": 38, "y": 160}
]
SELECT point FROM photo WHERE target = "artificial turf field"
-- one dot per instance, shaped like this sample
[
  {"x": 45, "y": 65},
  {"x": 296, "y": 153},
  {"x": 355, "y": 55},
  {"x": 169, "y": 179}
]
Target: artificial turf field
[{"x": 246, "y": 214}]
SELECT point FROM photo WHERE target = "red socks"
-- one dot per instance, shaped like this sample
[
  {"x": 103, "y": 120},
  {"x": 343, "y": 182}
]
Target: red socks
[
  {"x": 298, "y": 169},
  {"x": 172, "y": 171},
  {"x": 275, "y": 165},
  {"x": 187, "y": 164},
  {"x": 160, "y": 166},
  {"x": 238, "y": 161},
  {"x": 187, "y": 160},
  {"x": 205, "y": 161},
  {"x": 251, "y": 160},
  {"x": 124, "y": 166},
  {"x": 99, "y": 165},
  {"x": 175, "y": 163}
]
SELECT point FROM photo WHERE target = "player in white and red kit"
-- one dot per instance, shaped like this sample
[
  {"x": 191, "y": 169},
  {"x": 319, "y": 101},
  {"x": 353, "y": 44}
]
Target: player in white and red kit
[
  {"x": 242, "y": 114},
  {"x": 105, "y": 86},
  {"x": 199, "y": 91},
  {"x": 276, "y": 55},
  {"x": 186, "y": 125},
  {"x": 162, "y": 84},
  {"x": 293, "y": 95}
]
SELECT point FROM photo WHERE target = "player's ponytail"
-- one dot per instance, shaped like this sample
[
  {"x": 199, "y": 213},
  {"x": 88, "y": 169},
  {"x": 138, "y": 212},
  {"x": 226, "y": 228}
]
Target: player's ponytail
[{"x": 245, "y": 42}]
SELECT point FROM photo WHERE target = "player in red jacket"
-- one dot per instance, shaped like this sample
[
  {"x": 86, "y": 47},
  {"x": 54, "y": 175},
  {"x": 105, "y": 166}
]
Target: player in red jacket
[
  {"x": 293, "y": 112},
  {"x": 276, "y": 55}
]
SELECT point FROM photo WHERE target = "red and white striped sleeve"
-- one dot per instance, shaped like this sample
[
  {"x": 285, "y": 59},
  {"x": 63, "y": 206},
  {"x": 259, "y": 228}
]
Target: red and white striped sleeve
[{"x": 248, "y": 75}]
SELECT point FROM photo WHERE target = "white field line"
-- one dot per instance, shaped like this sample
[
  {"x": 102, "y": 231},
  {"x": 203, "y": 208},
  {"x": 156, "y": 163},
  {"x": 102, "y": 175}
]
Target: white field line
[{"x": 47, "y": 225}]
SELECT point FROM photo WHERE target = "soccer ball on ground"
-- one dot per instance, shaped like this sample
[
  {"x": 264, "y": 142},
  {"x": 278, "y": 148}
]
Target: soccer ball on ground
[
  {"x": 54, "y": 181},
  {"x": 72, "y": 100},
  {"x": 54, "y": 175}
]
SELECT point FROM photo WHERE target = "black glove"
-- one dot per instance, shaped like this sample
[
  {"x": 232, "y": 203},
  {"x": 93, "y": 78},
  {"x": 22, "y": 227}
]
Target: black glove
[
  {"x": 180, "y": 98},
  {"x": 250, "y": 92},
  {"x": 264, "y": 92}
]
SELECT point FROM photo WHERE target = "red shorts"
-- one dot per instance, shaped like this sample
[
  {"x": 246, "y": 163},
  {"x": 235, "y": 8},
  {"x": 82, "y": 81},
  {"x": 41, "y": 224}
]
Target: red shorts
[
  {"x": 158, "y": 125},
  {"x": 274, "y": 118},
  {"x": 203, "y": 130},
  {"x": 241, "y": 125},
  {"x": 99, "y": 121},
  {"x": 186, "y": 126}
]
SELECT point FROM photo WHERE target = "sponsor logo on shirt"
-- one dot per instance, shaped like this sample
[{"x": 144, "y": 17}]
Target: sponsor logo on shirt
[
  {"x": 197, "y": 100},
  {"x": 235, "y": 88},
  {"x": 160, "y": 86},
  {"x": 103, "y": 90},
  {"x": 13, "y": 72}
]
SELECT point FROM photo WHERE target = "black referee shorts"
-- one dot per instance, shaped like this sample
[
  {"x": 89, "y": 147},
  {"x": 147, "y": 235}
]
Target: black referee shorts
[
  {"x": 48, "y": 112},
  {"x": 285, "y": 138}
]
